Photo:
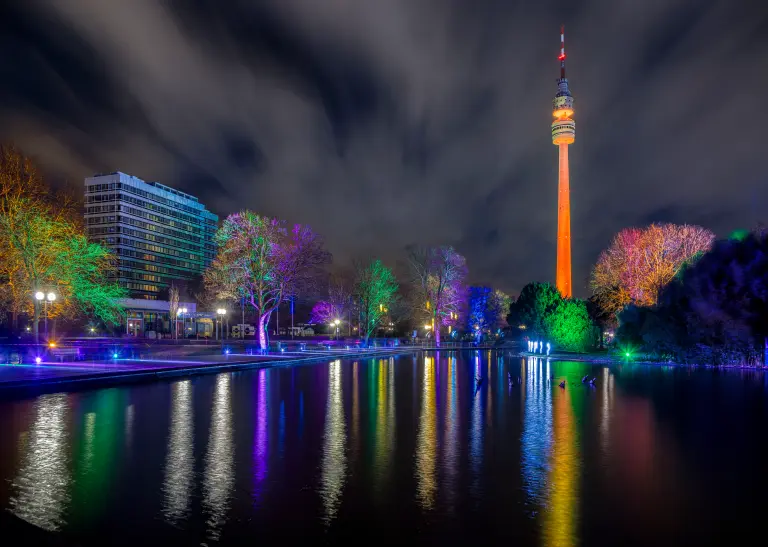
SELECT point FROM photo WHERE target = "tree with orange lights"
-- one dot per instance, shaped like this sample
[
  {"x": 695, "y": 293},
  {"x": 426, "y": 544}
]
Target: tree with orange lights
[
  {"x": 43, "y": 246},
  {"x": 641, "y": 262}
]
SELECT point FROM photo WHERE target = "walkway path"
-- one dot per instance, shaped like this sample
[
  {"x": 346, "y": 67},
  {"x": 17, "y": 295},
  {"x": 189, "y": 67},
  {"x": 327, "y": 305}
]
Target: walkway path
[{"x": 46, "y": 375}]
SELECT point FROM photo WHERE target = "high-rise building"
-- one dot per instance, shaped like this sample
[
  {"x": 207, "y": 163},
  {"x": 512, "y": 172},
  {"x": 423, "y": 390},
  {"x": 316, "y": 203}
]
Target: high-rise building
[
  {"x": 563, "y": 134},
  {"x": 159, "y": 234}
]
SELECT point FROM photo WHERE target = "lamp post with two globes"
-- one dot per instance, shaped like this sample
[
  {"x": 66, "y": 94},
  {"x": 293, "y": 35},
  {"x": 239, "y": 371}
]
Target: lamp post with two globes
[{"x": 40, "y": 296}]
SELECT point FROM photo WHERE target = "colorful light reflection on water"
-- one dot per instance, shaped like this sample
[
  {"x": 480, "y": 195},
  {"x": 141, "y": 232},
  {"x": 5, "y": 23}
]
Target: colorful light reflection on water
[{"x": 404, "y": 448}]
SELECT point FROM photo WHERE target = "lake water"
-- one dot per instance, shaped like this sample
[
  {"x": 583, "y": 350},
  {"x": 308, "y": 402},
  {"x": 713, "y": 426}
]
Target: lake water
[{"x": 401, "y": 449}]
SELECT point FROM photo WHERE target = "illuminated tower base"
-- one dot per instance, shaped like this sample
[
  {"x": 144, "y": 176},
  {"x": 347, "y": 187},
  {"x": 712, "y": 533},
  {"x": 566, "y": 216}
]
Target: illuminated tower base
[{"x": 563, "y": 276}]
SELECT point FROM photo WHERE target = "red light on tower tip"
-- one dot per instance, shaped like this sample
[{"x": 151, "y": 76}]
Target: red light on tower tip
[{"x": 561, "y": 57}]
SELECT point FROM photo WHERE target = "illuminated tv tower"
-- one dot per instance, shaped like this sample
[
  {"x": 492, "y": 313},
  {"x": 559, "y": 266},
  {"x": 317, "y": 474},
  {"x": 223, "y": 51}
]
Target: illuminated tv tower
[{"x": 563, "y": 134}]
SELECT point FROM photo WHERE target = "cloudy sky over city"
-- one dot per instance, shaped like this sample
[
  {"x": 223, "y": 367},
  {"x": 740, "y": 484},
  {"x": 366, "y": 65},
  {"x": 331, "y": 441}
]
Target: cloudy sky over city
[{"x": 388, "y": 122}]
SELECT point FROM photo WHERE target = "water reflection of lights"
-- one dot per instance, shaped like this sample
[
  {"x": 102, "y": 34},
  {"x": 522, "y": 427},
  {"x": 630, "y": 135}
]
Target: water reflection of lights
[
  {"x": 179, "y": 463},
  {"x": 355, "y": 437},
  {"x": 129, "y": 413},
  {"x": 562, "y": 511},
  {"x": 41, "y": 487},
  {"x": 451, "y": 445},
  {"x": 426, "y": 442},
  {"x": 218, "y": 474},
  {"x": 607, "y": 395},
  {"x": 476, "y": 433},
  {"x": 489, "y": 394},
  {"x": 334, "y": 463},
  {"x": 88, "y": 440},
  {"x": 261, "y": 435},
  {"x": 385, "y": 419},
  {"x": 537, "y": 429}
]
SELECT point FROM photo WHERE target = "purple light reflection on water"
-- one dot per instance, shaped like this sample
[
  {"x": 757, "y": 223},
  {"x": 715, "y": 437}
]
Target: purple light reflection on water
[
  {"x": 301, "y": 414},
  {"x": 261, "y": 435},
  {"x": 281, "y": 429}
]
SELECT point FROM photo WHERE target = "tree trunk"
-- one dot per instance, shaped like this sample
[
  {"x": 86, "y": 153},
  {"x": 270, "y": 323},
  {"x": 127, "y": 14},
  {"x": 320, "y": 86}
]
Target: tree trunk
[
  {"x": 262, "y": 327},
  {"x": 437, "y": 334}
]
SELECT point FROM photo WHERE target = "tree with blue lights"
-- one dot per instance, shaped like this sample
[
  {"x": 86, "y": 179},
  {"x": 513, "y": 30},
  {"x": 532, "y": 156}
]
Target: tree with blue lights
[{"x": 486, "y": 311}]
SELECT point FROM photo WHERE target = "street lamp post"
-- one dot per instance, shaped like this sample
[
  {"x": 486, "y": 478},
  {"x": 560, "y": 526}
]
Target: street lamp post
[
  {"x": 221, "y": 312},
  {"x": 336, "y": 323},
  {"x": 40, "y": 296},
  {"x": 182, "y": 311}
]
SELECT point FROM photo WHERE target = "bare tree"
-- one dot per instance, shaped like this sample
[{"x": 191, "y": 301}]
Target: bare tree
[{"x": 438, "y": 275}]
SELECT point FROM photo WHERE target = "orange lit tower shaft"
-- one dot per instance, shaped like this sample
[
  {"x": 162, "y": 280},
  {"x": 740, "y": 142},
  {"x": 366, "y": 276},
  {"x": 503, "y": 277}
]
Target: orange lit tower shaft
[{"x": 563, "y": 134}]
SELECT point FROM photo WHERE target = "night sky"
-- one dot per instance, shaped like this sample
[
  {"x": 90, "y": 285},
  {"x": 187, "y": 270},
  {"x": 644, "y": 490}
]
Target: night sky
[{"x": 388, "y": 122}]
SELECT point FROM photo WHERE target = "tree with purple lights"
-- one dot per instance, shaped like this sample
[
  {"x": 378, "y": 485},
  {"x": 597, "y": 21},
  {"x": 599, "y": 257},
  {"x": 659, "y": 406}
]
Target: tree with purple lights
[
  {"x": 264, "y": 262},
  {"x": 324, "y": 313},
  {"x": 438, "y": 278},
  {"x": 337, "y": 303}
]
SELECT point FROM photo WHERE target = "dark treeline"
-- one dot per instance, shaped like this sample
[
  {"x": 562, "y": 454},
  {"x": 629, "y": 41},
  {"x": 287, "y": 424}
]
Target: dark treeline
[{"x": 714, "y": 312}]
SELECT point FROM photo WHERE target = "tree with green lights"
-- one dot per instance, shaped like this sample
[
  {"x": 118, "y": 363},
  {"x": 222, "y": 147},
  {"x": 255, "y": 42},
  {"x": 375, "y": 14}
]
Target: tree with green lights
[
  {"x": 51, "y": 255},
  {"x": 375, "y": 289},
  {"x": 43, "y": 248},
  {"x": 547, "y": 315},
  {"x": 569, "y": 326},
  {"x": 536, "y": 302}
]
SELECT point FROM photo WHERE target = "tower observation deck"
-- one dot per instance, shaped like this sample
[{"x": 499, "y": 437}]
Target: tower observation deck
[{"x": 563, "y": 134}]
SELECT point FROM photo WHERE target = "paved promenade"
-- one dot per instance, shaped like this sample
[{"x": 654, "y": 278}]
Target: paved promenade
[{"x": 51, "y": 374}]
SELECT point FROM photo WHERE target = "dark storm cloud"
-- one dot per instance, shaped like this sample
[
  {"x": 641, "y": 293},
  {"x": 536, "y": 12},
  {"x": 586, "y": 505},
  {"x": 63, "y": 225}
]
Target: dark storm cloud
[{"x": 383, "y": 123}]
